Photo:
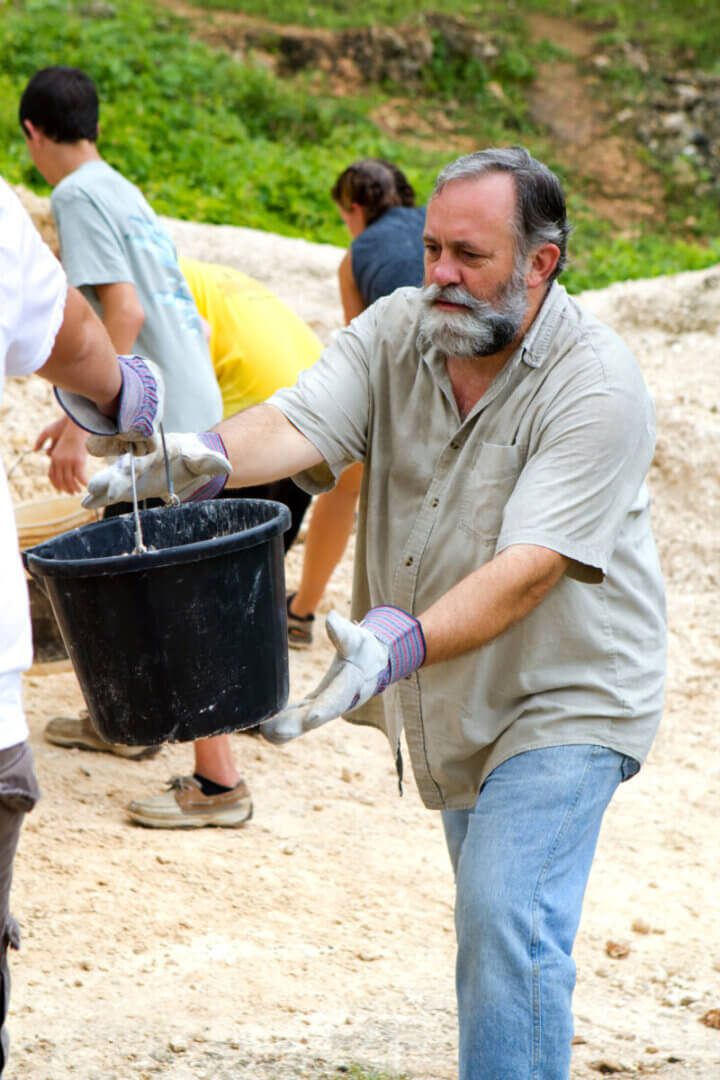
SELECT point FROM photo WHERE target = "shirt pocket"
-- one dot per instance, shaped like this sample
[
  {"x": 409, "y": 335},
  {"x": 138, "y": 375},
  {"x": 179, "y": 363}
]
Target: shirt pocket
[{"x": 488, "y": 488}]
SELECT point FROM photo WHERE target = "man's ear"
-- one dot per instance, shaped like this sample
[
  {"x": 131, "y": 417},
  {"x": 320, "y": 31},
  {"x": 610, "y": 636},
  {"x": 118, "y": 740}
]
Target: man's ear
[
  {"x": 32, "y": 133},
  {"x": 542, "y": 263}
]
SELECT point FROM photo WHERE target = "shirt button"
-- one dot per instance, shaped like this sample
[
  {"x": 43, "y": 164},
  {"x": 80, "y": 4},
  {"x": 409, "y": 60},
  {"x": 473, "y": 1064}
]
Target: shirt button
[
  {"x": 434, "y": 503},
  {"x": 454, "y": 445},
  {"x": 409, "y": 561}
]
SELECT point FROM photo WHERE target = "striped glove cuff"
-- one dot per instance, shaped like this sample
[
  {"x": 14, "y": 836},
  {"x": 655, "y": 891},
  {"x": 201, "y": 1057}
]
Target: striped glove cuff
[
  {"x": 402, "y": 633},
  {"x": 140, "y": 404},
  {"x": 139, "y": 400}
]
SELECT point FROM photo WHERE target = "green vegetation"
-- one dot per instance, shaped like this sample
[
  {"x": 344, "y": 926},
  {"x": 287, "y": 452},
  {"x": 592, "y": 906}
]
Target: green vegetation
[
  {"x": 688, "y": 30},
  {"x": 210, "y": 139},
  {"x": 666, "y": 26},
  {"x": 337, "y": 14},
  {"x": 204, "y": 138},
  {"x": 599, "y": 256}
]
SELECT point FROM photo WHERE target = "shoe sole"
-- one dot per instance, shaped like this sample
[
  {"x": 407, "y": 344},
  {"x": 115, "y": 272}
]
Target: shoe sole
[
  {"x": 209, "y": 820},
  {"x": 295, "y": 644},
  {"x": 131, "y": 754}
]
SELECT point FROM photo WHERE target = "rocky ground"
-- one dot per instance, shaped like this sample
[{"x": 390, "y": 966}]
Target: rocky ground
[{"x": 319, "y": 938}]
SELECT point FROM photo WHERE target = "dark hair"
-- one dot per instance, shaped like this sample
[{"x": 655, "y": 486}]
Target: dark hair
[
  {"x": 63, "y": 103},
  {"x": 541, "y": 216},
  {"x": 374, "y": 184}
]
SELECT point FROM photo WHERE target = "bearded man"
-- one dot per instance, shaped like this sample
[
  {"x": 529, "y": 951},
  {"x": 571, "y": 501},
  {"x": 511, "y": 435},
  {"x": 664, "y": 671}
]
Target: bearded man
[{"x": 506, "y": 576}]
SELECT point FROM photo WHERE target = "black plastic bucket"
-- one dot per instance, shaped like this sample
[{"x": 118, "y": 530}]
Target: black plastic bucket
[{"x": 186, "y": 640}]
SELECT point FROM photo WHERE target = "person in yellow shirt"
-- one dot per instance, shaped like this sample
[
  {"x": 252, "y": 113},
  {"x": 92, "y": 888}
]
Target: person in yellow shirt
[{"x": 257, "y": 343}]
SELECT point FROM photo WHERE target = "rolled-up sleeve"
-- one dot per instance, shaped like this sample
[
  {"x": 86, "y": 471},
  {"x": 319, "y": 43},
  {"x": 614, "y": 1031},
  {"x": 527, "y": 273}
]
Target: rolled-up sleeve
[
  {"x": 330, "y": 403},
  {"x": 32, "y": 290},
  {"x": 584, "y": 472}
]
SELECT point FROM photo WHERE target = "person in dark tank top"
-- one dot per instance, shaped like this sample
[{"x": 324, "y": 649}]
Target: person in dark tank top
[{"x": 377, "y": 204}]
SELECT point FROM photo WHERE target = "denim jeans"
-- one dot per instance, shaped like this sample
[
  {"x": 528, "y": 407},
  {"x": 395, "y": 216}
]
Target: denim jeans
[{"x": 522, "y": 858}]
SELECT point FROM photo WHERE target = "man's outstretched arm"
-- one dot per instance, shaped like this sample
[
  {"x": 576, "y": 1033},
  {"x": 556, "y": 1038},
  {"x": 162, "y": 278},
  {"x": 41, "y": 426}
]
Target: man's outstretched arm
[
  {"x": 252, "y": 447},
  {"x": 390, "y": 644},
  {"x": 262, "y": 445},
  {"x": 490, "y": 600}
]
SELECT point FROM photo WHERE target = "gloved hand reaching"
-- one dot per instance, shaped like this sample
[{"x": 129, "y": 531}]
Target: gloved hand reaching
[
  {"x": 198, "y": 465},
  {"x": 139, "y": 410},
  {"x": 386, "y": 646}
]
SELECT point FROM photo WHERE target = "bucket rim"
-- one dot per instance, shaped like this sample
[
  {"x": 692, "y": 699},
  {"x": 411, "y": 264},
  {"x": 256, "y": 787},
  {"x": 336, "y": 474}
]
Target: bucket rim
[{"x": 40, "y": 565}]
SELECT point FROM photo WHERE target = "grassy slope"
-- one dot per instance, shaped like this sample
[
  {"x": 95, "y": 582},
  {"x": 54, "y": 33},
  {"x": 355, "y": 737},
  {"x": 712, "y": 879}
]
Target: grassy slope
[
  {"x": 212, "y": 140},
  {"x": 663, "y": 25}
]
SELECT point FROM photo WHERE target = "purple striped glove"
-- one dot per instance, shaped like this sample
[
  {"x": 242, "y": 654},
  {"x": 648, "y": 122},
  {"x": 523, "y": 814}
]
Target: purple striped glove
[
  {"x": 198, "y": 464},
  {"x": 386, "y": 646},
  {"x": 139, "y": 409},
  {"x": 402, "y": 633}
]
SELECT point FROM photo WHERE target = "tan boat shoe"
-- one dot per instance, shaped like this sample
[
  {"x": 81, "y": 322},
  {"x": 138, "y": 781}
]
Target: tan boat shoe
[
  {"x": 183, "y": 806},
  {"x": 77, "y": 732}
]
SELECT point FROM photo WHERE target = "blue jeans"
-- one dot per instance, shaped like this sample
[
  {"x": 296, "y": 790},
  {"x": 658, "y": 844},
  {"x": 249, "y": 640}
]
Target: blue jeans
[{"x": 522, "y": 858}]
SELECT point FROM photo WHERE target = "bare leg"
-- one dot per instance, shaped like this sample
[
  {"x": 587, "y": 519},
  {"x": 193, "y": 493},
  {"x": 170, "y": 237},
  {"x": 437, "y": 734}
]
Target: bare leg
[
  {"x": 331, "y": 523},
  {"x": 214, "y": 760}
]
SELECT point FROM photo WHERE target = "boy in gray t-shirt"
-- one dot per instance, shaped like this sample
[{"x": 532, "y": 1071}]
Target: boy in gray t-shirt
[
  {"x": 109, "y": 235},
  {"x": 115, "y": 250}
]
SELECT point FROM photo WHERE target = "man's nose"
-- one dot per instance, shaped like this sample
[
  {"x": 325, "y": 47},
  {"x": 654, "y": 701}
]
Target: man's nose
[{"x": 443, "y": 271}]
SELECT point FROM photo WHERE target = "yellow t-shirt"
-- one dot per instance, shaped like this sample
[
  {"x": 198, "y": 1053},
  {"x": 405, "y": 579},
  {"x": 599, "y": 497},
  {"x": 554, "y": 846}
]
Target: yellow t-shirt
[{"x": 257, "y": 343}]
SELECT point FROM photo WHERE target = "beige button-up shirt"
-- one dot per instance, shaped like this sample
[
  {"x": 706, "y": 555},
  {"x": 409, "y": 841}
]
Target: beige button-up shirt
[{"x": 555, "y": 453}]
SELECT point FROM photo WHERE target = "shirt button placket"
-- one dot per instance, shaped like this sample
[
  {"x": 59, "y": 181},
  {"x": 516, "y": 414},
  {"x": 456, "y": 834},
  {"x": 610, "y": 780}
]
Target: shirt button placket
[{"x": 407, "y": 580}]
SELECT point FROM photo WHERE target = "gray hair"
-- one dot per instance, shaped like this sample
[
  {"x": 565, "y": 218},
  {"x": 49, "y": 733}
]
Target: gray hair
[{"x": 541, "y": 217}]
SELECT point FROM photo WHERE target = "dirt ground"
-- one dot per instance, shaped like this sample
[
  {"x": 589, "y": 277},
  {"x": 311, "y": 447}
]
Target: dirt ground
[{"x": 319, "y": 938}]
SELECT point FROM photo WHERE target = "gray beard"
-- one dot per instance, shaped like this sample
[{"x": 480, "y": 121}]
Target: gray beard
[{"x": 483, "y": 330}]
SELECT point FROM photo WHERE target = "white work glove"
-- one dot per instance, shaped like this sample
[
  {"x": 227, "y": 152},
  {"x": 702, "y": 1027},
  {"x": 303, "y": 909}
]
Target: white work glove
[
  {"x": 198, "y": 465},
  {"x": 139, "y": 411},
  {"x": 386, "y": 646}
]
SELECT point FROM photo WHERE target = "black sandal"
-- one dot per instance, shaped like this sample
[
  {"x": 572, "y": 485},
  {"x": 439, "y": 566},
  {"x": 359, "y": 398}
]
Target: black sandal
[{"x": 300, "y": 630}]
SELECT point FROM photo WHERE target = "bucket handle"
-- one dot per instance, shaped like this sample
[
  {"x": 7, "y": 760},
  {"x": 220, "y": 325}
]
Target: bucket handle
[{"x": 23, "y": 454}]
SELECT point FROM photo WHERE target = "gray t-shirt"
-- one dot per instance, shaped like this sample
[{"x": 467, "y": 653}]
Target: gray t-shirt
[
  {"x": 555, "y": 454},
  {"x": 108, "y": 235}
]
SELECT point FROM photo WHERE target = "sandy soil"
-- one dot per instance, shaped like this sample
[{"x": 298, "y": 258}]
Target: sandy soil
[{"x": 320, "y": 937}]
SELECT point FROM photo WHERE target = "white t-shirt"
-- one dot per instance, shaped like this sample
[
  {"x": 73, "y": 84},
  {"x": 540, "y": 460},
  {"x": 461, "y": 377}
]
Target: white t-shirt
[{"x": 32, "y": 301}]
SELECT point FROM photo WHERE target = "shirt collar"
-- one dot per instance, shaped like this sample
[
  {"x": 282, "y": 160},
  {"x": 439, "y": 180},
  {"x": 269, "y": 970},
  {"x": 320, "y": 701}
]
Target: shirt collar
[{"x": 536, "y": 343}]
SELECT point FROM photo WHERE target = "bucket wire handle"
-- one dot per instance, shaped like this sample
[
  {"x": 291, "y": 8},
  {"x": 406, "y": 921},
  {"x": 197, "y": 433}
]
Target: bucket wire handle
[
  {"x": 139, "y": 544},
  {"x": 172, "y": 498},
  {"x": 23, "y": 454}
]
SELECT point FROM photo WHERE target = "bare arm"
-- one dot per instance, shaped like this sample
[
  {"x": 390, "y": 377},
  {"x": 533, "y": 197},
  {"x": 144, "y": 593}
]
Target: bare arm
[
  {"x": 123, "y": 317},
  {"x": 387, "y": 645},
  {"x": 352, "y": 302},
  {"x": 263, "y": 446},
  {"x": 123, "y": 314},
  {"x": 83, "y": 359},
  {"x": 491, "y": 599}
]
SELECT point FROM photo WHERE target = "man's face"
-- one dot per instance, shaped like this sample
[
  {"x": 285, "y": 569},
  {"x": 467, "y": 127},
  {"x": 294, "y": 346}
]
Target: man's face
[{"x": 475, "y": 292}]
